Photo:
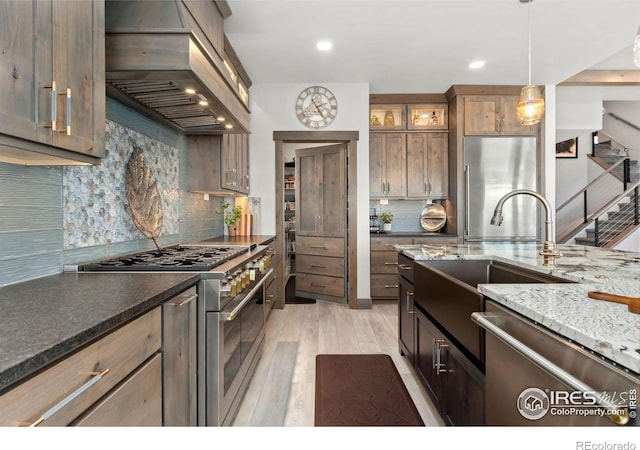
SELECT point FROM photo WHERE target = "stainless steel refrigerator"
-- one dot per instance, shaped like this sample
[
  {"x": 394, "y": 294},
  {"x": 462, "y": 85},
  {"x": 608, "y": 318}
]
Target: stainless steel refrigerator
[{"x": 495, "y": 166}]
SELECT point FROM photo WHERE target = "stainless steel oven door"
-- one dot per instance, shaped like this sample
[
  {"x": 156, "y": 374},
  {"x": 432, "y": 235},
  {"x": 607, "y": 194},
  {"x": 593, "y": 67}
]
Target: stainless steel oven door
[{"x": 234, "y": 338}]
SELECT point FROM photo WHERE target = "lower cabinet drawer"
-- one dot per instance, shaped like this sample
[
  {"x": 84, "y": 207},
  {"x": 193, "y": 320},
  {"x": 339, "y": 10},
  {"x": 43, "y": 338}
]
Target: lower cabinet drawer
[
  {"x": 320, "y": 265},
  {"x": 137, "y": 402},
  {"x": 321, "y": 246},
  {"x": 384, "y": 262},
  {"x": 121, "y": 351},
  {"x": 384, "y": 286},
  {"x": 320, "y": 284}
]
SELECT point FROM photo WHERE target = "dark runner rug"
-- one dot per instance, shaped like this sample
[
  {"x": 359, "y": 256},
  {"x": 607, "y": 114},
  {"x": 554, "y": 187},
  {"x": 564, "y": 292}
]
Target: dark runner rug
[
  {"x": 362, "y": 390},
  {"x": 290, "y": 293}
]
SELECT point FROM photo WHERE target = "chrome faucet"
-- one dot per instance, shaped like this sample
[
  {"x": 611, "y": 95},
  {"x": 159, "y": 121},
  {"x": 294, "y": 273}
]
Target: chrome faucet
[{"x": 549, "y": 250}]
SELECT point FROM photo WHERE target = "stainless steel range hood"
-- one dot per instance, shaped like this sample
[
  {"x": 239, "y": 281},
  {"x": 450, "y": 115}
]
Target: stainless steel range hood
[{"x": 170, "y": 60}]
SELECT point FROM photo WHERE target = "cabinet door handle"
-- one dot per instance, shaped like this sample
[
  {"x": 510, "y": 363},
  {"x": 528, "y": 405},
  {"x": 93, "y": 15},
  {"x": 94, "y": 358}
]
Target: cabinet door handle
[
  {"x": 384, "y": 187},
  {"x": 390, "y": 263},
  {"x": 318, "y": 246},
  {"x": 187, "y": 299},
  {"x": 409, "y": 309},
  {"x": 97, "y": 376},
  {"x": 318, "y": 266},
  {"x": 438, "y": 344},
  {"x": 54, "y": 106},
  {"x": 68, "y": 112},
  {"x": 391, "y": 286},
  {"x": 388, "y": 188}
]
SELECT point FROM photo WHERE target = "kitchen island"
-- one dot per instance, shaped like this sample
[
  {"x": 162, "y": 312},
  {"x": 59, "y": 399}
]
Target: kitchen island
[
  {"x": 491, "y": 324},
  {"x": 606, "y": 328}
]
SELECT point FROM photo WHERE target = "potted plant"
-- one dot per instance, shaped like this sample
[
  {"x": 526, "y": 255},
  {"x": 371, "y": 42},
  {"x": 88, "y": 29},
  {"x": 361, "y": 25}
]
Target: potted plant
[
  {"x": 231, "y": 216},
  {"x": 386, "y": 218}
]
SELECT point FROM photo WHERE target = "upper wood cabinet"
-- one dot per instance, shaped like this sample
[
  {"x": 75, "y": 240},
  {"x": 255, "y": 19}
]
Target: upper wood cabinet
[
  {"x": 218, "y": 165},
  {"x": 434, "y": 116},
  {"x": 53, "y": 99},
  {"x": 387, "y": 165},
  {"x": 493, "y": 115},
  {"x": 427, "y": 165},
  {"x": 321, "y": 191},
  {"x": 235, "y": 162}
]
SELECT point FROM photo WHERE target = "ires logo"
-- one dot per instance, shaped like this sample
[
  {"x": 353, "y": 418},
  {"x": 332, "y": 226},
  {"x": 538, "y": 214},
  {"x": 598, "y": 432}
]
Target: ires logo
[{"x": 534, "y": 404}]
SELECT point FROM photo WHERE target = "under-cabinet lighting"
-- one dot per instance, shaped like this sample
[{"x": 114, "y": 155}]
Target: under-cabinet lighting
[
  {"x": 228, "y": 126},
  {"x": 190, "y": 91},
  {"x": 220, "y": 119}
]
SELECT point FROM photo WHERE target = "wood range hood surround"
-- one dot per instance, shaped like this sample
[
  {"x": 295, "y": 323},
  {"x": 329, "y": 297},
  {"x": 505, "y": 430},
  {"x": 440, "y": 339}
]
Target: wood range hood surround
[{"x": 155, "y": 50}]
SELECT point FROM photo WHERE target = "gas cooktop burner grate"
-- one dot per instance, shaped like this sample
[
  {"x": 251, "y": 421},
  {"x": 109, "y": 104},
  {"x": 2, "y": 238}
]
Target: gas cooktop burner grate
[{"x": 179, "y": 258}]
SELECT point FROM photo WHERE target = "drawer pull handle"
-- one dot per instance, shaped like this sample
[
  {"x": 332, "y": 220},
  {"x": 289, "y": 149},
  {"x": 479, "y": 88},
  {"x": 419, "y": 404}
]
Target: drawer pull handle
[
  {"x": 97, "y": 376},
  {"x": 390, "y": 263},
  {"x": 391, "y": 286},
  {"x": 185, "y": 301},
  {"x": 317, "y": 266},
  {"x": 404, "y": 267},
  {"x": 318, "y": 285},
  {"x": 318, "y": 246}
]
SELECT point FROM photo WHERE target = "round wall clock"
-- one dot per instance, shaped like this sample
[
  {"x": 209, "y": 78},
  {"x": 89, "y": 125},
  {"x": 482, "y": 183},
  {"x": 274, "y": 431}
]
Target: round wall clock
[{"x": 316, "y": 107}]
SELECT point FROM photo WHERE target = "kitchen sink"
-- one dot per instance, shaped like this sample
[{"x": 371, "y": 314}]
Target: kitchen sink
[
  {"x": 446, "y": 290},
  {"x": 478, "y": 271}
]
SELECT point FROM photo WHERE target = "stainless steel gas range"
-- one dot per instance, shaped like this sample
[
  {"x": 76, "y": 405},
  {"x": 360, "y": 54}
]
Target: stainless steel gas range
[{"x": 230, "y": 315}]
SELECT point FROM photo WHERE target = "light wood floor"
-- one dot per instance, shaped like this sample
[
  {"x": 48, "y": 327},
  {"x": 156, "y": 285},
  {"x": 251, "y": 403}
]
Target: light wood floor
[{"x": 282, "y": 390}]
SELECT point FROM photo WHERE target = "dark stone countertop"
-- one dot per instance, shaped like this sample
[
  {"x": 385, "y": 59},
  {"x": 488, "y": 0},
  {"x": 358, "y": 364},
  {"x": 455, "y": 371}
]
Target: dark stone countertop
[{"x": 43, "y": 320}]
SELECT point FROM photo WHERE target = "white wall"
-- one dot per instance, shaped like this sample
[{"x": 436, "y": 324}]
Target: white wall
[
  {"x": 273, "y": 109},
  {"x": 626, "y": 135}
]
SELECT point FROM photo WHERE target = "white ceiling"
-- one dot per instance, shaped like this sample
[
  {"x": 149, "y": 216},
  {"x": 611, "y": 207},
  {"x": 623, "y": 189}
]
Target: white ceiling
[{"x": 411, "y": 46}]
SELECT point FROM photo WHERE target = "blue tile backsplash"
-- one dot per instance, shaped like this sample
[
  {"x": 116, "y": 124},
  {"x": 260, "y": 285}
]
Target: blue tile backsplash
[{"x": 52, "y": 216}]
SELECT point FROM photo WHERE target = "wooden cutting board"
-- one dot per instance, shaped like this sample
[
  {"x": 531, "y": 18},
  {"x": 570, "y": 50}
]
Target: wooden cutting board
[{"x": 632, "y": 302}]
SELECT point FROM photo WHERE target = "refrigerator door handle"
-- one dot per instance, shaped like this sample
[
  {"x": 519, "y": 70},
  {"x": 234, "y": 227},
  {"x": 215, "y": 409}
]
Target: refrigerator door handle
[{"x": 466, "y": 199}]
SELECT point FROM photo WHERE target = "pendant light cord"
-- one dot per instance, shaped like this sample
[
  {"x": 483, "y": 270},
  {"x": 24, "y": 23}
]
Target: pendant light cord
[{"x": 529, "y": 35}]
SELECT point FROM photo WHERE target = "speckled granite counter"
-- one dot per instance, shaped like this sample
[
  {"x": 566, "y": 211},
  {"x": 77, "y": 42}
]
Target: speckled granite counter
[
  {"x": 603, "y": 327},
  {"x": 44, "y": 319}
]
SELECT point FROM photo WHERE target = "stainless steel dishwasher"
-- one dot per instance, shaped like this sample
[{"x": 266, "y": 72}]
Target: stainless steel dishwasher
[{"x": 537, "y": 378}]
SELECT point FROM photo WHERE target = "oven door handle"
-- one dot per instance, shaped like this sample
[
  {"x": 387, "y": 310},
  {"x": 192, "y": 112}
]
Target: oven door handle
[
  {"x": 488, "y": 322},
  {"x": 227, "y": 316}
]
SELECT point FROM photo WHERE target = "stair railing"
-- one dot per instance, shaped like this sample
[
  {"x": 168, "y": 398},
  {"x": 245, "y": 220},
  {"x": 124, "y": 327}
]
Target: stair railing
[
  {"x": 624, "y": 121},
  {"x": 627, "y": 216},
  {"x": 623, "y": 150},
  {"x": 597, "y": 197}
]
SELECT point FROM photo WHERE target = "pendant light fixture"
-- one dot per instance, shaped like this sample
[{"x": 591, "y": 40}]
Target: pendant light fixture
[
  {"x": 636, "y": 49},
  {"x": 530, "y": 107}
]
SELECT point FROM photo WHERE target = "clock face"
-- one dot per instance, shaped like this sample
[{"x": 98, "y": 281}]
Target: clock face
[{"x": 316, "y": 107}]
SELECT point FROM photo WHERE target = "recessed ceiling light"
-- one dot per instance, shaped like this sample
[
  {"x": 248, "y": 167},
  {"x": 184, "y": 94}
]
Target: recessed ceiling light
[
  {"x": 228, "y": 126},
  {"x": 190, "y": 91},
  {"x": 476, "y": 64},
  {"x": 324, "y": 45}
]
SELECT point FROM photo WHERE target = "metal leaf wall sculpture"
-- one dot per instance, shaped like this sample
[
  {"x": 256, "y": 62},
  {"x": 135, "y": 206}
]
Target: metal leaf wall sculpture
[{"x": 143, "y": 196}]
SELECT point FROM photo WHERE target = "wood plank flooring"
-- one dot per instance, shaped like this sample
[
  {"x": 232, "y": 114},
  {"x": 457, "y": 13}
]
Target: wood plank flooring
[{"x": 282, "y": 391}]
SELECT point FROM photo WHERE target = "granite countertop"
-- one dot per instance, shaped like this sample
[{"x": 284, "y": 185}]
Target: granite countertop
[
  {"x": 606, "y": 328},
  {"x": 412, "y": 234},
  {"x": 45, "y": 319}
]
